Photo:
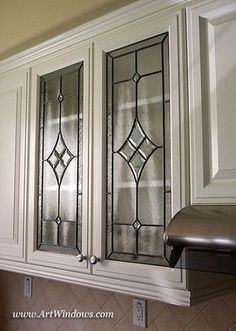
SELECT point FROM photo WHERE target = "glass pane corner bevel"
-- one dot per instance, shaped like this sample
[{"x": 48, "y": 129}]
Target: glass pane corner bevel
[
  {"x": 138, "y": 151},
  {"x": 59, "y": 200}
]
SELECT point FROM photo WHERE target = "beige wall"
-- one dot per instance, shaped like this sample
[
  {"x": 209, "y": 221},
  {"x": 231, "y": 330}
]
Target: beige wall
[
  {"x": 25, "y": 23},
  {"x": 217, "y": 314}
]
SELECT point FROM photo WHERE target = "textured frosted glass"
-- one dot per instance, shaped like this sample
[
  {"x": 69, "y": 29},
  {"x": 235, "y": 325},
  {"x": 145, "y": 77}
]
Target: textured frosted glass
[
  {"x": 49, "y": 233},
  {"x": 70, "y": 84},
  {"x": 124, "y": 192},
  {"x": 123, "y": 111},
  {"x": 139, "y": 45},
  {"x": 149, "y": 60},
  {"x": 67, "y": 234},
  {"x": 138, "y": 151},
  {"x": 150, "y": 108},
  {"x": 168, "y": 207},
  {"x": 68, "y": 191},
  {"x": 124, "y": 239},
  {"x": 167, "y": 148},
  {"x": 124, "y": 67},
  {"x": 150, "y": 196},
  {"x": 51, "y": 117},
  {"x": 50, "y": 193},
  {"x": 69, "y": 122},
  {"x": 52, "y": 89},
  {"x": 109, "y": 224},
  {"x": 60, "y": 161},
  {"x": 150, "y": 241}
]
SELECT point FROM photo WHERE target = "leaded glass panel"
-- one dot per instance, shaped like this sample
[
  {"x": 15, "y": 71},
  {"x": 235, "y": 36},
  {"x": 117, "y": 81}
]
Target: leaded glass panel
[
  {"x": 60, "y": 161},
  {"x": 138, "y": 151}
]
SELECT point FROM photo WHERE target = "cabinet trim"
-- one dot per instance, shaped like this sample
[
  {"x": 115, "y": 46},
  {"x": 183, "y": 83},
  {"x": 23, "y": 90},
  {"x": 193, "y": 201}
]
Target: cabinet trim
[{"x": 90, "y": 30}]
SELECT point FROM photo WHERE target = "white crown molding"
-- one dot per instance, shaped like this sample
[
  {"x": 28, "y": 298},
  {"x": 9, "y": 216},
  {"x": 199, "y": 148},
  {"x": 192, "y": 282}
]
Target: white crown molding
[{"x": 88, "y": 31}]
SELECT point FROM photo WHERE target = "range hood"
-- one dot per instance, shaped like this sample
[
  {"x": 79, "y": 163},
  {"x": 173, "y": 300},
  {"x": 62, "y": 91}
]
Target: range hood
[{"x": 207, "y": 235}]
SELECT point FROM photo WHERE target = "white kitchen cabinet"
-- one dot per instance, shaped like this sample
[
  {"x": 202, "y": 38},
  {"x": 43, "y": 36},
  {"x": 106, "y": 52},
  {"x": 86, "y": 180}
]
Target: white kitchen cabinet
[
  {"x": 13, "y": 112},
  {"x": 114, "y": 275},
  {"x": 212, "y": 78},
  {"x": 58, "y": 191},
  {"x": 154, "y": 30},
  {"x": 143, "y": 279},
  {"x": 157, "y": 25}
]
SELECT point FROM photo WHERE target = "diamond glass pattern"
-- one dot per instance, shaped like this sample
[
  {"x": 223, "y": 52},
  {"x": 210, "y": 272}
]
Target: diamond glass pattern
[
  {"x": 136, "y": 164},
  {"x": 58, "y": 220},
  {"x": 137, "y": 225},
  {"x": 138, "y": 129},
  {"x": 60, "y": 97},
  {"x": 137, "y": 134},
  {"x": 60, "y": 158},
  {"x": 127, "y": 150},
  {"x": 59, "y": 213},
  {"x": 136, "y": 77},
  {"x": 137, "y": 149}
]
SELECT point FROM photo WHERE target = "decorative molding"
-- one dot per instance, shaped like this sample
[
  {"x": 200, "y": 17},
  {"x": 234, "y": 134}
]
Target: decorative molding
[
  {"x": 93, "y": 29},
  {"x": 161, "y": 293}
]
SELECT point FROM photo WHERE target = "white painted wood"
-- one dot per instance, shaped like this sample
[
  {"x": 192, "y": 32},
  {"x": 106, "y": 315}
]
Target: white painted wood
[
  {"x": 141, "y": 290},
  {"x": 212, "y": 99},
  {"x": 88, "y": 31},
  {"x": 12, "y": 167},
  {"x": 138, "y": 30},
  {"x": 132, "y": 23},
  {"x": 60, "y": 261}
]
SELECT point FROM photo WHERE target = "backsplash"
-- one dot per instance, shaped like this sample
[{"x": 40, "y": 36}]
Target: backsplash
[{"x": 215, "y": 314}]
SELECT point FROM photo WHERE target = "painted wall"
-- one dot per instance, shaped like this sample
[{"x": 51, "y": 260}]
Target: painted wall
[
  {"x": 217, "y": 314},
  {"x": 25, "y": 23}
]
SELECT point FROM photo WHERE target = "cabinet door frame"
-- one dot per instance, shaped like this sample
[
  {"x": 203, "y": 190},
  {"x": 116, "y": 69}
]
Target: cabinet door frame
[
  {"x": 126, "y": 35},
  {"x": 211, "y": 181},
  {"x": 12, "y": 243},
  {"x": 47, "y": 65}
]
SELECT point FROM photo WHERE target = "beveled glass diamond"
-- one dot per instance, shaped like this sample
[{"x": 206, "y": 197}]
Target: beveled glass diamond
[
  {"x": 66, "y": 157},
  {"x": 137, "y": 225},
  {"x": 146, "y": 148},
  {"x": 58, "y": 220},
  {"x": 60, "y": 145},
  {"x": 127, "y": 150},
  {"x": 53, "y": 159},
  {"x": 60, "y": 158},
  {"x": 137, "y": 134},
  {"x": 59, "y": 169},
  {"x": 60, "y": 98},
  {"x": 137, "y": 149},
  {"x": 136, "y": 77},
  {"x": 137, "y": 163}
]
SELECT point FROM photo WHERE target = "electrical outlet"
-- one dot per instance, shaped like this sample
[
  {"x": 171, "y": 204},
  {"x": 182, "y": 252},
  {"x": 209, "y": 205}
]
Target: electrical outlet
[
  {"x": 28, "y": 280},
  {"x": 140, "y": 313}
]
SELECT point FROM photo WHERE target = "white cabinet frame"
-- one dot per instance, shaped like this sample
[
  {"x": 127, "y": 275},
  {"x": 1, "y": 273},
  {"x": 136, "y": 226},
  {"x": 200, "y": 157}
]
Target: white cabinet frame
[
  {"x": 212, "y": 124},
  {"x": 135, "y": 32},
  {"x": 60, "y": 261},
  {"x": 13, "y": 123}
]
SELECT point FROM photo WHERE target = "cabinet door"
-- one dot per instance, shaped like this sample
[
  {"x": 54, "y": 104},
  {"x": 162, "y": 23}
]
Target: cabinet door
[
  {"x": 137, "y": 173},
  {"x": 212, "y": 80},
  {"x": 12, "y": 168},
  {"x": 59, "y": 161}
]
